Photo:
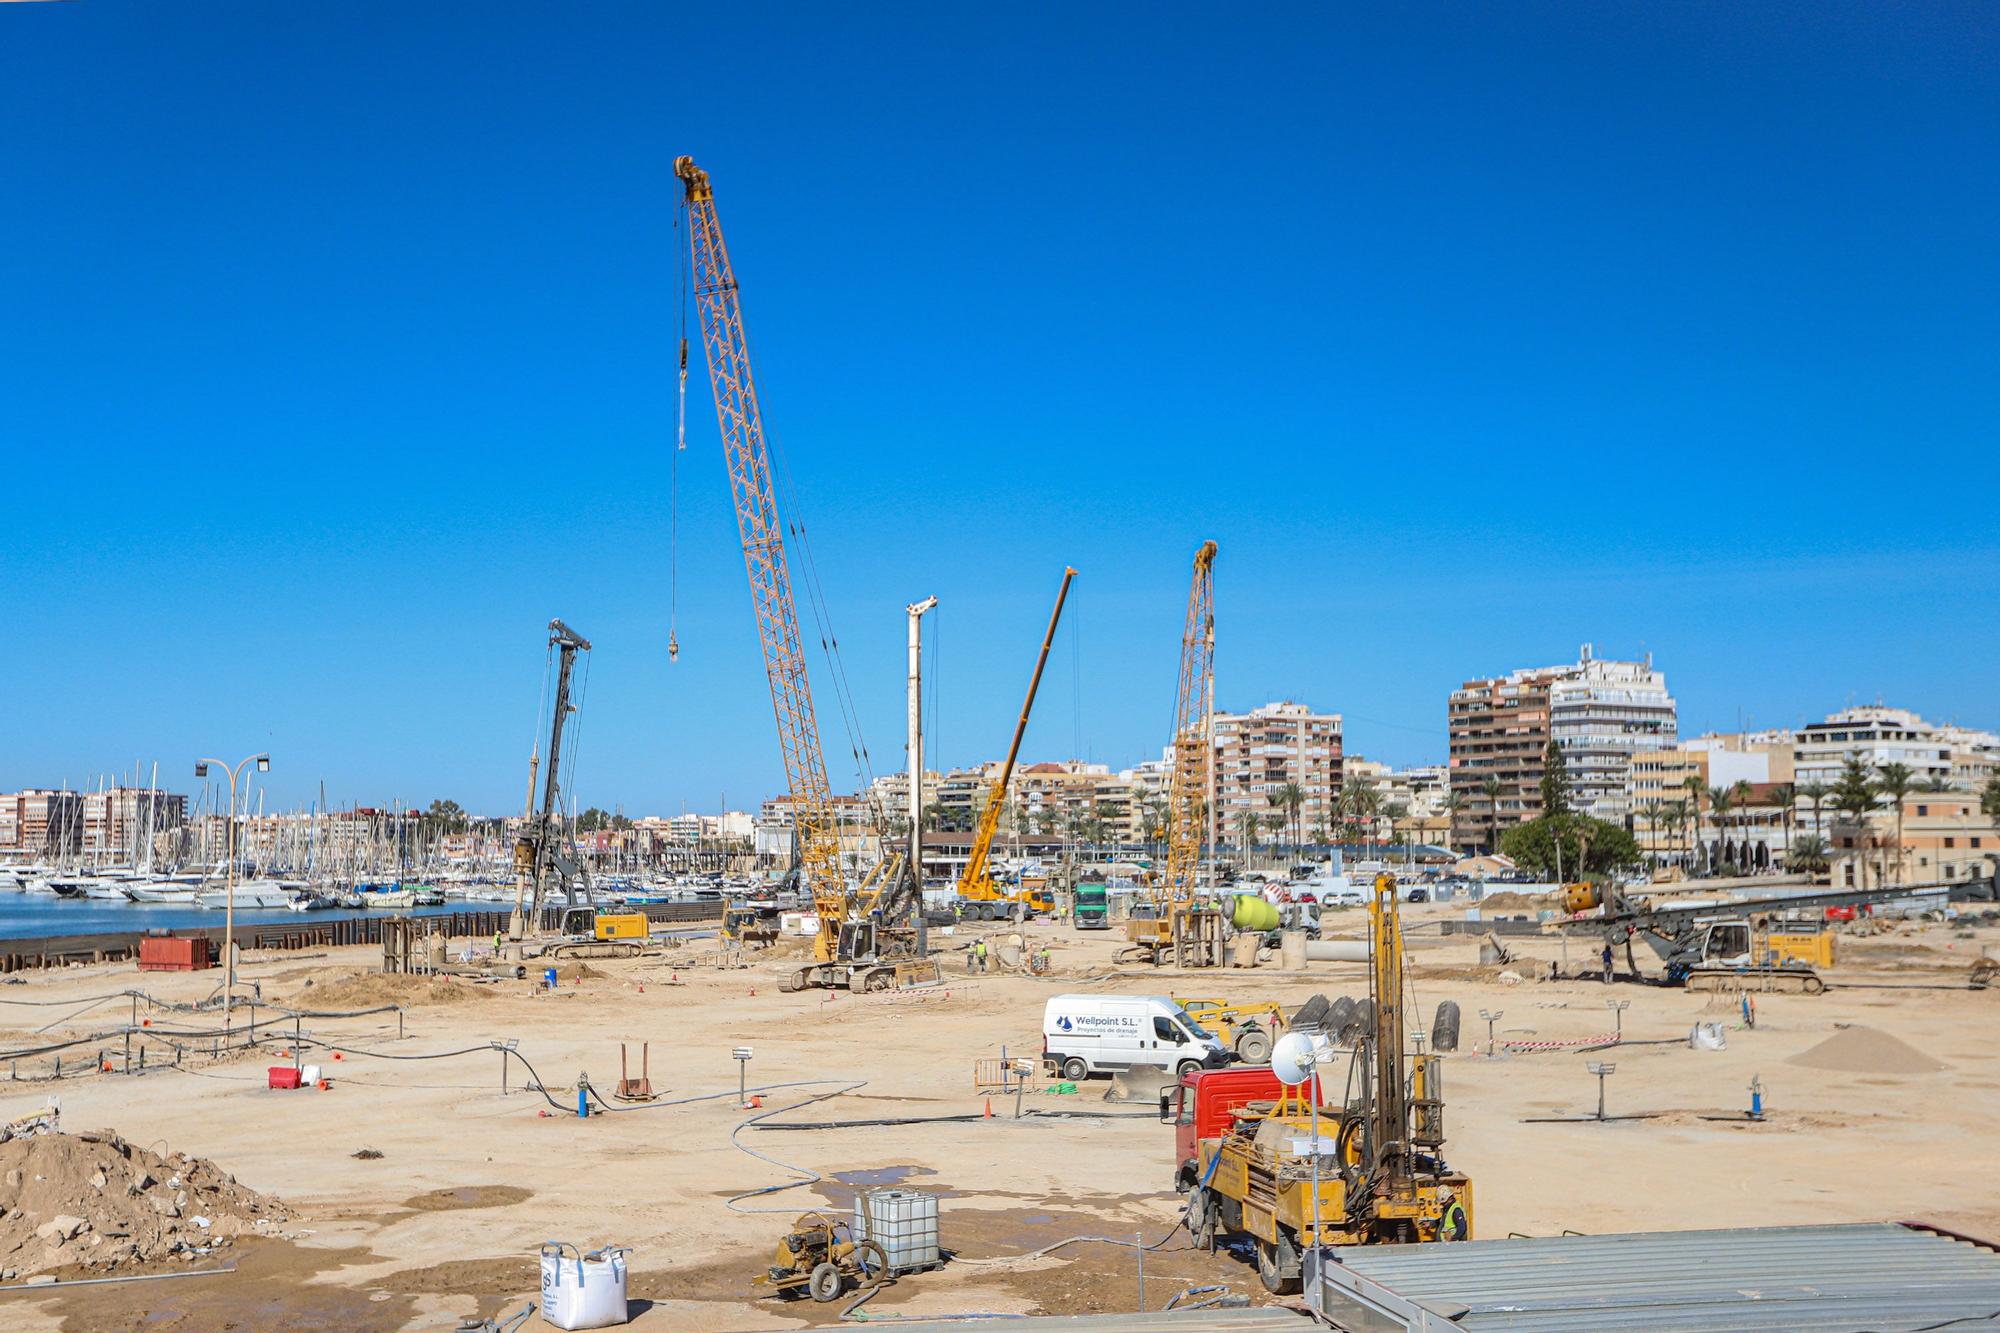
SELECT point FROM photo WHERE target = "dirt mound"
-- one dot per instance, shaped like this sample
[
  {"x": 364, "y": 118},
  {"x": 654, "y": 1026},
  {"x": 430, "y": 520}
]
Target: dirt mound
[
  {"x": 1509, "y": 901},
  {"x": 1858, "y": 1050},
  {"x": 97, "y": 1201},
  {"x": 366, "y": 990},
  {"x": 575, "y": 972}
]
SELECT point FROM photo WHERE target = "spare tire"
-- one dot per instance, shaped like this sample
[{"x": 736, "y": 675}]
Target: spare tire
[{"x": 1444, "y": 1027}]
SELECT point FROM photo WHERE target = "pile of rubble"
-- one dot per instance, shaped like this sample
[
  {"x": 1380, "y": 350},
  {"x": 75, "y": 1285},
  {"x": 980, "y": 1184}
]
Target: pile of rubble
[{"x": 95, "y": 1201}]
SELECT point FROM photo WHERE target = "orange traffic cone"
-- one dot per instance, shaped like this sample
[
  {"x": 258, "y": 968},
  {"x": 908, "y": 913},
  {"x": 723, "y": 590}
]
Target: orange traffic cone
[
  {"x": 989, "y": 1108},
  {"x": 642, "y": 988}
]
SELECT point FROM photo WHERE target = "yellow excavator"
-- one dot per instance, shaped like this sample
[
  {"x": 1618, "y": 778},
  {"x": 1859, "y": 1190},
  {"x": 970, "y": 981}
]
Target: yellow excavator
[{"x": 981, "y": 898}]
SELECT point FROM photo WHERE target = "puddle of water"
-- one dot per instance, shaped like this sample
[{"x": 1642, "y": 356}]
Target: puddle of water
[{"x": 880, "y": 1177}]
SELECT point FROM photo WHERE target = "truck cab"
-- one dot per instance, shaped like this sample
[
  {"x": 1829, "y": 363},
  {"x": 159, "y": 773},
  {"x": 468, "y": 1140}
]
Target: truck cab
[{"x": 1203, "y": 1105}]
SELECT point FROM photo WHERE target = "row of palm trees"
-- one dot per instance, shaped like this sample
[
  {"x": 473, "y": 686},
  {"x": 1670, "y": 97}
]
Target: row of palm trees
[{"x": 1854, "y": 796}]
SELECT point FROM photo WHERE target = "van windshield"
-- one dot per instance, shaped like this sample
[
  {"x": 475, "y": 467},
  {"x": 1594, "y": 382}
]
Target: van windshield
[{"x": 1200, "y": 1033}]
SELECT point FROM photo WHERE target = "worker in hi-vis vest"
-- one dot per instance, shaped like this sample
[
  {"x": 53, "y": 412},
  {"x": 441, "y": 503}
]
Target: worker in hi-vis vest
[{"x": 1454, "y": 1224}]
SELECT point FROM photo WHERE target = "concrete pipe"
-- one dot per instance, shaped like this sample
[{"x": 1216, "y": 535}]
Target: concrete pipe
[
  {"x": 1292, "y": 950},
  {"x": 1337, "y": 951}
]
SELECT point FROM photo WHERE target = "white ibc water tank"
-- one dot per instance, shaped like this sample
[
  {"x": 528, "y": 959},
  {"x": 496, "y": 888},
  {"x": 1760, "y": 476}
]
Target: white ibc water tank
[{"x": 904, "y": 1223}]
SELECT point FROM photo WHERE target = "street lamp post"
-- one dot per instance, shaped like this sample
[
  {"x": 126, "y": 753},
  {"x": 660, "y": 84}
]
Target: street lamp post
[{"x": 263, "y": 762}]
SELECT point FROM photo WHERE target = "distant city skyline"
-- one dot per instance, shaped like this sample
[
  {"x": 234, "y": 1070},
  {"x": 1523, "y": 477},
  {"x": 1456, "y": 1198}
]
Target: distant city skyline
[{"x": 1468, "y": 335}]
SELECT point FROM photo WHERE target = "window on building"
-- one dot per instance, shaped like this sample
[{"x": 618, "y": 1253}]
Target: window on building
[
  {"x": 1951, "y": 842},
  {"x": 1923, "y": 810}
]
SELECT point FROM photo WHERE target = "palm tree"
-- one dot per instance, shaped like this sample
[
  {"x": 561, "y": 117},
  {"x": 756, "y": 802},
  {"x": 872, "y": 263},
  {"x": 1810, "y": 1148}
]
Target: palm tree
[
  {"x": 1651, "y": 812},
  {"x": 1677, "y": 816},
  {"x": 1813, "y": 793},
  {"x": 1854, "y": 795},
  {"x": 1739, "y": 792},
  {"x": 1695, "y": 790},
  {"x": 1246, "y": 825},
  {"x": 1290, "y": 798},
  {"x": 1397, "y": 812},
  {"x": 1491, "y": 789},
  {"x": 1449, "y": 808},
  {"x": 1720, "y": 799},
  {"x": 1809, "y": 854},
  {"x": 1787, "y": 802},
  {"x": 1895, "y": 782}
]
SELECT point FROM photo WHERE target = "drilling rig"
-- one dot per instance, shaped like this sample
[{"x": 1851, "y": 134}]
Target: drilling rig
[
  {"x": 1171, "y": 926},
  {"x": 866, "y": 940}
]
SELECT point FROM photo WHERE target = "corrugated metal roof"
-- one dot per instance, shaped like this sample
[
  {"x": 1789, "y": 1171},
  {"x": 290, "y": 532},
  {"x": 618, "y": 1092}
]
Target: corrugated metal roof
[
  {"x": 1818, "y": 1279},
  {"x": 1256, "y": 1319}
]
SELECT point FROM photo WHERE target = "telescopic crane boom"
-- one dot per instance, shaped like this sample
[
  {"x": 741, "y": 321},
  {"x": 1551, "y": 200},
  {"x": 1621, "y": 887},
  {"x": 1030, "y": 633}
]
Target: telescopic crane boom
[
  {"x": 976, "y": 883},
  {"x": 741, "y": 423}
]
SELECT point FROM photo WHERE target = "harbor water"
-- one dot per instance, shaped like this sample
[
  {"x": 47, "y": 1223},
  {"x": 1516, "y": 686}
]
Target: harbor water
[{"x": 25, "y": 916}]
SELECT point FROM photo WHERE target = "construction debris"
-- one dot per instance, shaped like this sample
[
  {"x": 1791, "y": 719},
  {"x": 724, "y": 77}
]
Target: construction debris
[{"x": 95, "y": 1201}]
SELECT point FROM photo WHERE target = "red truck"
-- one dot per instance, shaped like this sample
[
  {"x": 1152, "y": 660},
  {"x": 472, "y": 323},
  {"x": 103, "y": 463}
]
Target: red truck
[{"x": 1204, "y": 1106}]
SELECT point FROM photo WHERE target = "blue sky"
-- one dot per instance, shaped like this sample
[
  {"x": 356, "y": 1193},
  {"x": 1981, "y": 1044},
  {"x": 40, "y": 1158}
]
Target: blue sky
[{"x": 339, "y": 340}]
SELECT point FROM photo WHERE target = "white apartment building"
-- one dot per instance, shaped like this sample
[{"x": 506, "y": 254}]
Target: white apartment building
[
  {"x": 1878, "y": 736},
  {"x": 1601, "y": 713}
]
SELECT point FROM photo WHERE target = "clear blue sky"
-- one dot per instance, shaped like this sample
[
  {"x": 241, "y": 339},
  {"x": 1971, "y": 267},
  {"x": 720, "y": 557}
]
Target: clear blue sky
[{"x": 337, "y": 357}]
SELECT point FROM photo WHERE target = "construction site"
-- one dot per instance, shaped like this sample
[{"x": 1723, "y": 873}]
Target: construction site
[{"x": 1208, "y": 1108}]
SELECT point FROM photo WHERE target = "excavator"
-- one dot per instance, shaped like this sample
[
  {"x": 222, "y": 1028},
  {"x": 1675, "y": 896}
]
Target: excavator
[
  {"x": 1714, "y": 947},
  {"x": 866, "y": 938},
  {"x": 1171, "y": 926},
  {"x": 983, "y": 900}
]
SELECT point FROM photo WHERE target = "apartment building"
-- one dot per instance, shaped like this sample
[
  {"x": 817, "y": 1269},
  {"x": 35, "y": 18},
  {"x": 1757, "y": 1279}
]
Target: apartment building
[
  {"x": 1945, "y": 836},
  {"x": 117, "y": 820},
  {"x": 1257, "y": 753},
  {"x": 40, "y": 822},
  {"x": 1877, "y": 736},
  {"x": 1601, "y": 713}
]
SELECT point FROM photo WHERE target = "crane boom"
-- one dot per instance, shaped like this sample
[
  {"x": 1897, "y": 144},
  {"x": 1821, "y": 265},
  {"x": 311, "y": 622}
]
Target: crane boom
[
  {"x": 975, "y": 882},
  {"x": 1188, "y": 789},
  {"x": 750, "y": 480}
]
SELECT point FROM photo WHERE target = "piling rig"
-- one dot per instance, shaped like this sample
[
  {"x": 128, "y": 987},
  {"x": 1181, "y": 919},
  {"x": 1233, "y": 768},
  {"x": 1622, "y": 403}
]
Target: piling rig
[{"x": 866, "y": 940}]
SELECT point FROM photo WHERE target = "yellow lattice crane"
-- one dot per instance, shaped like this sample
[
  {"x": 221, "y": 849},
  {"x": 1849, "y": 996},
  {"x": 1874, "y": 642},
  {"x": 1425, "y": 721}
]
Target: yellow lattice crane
[
  {"x": 741, "y": 423},
  {"x": 984, "y": 900},
  {"x": 855, "y": 946},
  {"x": 1172, "y": 926}
]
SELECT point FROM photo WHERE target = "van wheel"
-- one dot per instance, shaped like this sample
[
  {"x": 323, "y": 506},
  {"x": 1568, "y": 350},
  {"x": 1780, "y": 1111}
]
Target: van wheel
[
  {"x": 1075, "y": 1069},
  {"x": 1186, "y": 1067}
]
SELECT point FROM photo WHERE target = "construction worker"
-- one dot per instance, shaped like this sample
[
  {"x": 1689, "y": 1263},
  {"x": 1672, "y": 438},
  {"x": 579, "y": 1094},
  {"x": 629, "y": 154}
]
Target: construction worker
[
  {"x": 1042, "y": 960},
  {"x": 971, "y": 957},
  {"x": 979, "y": 952},
  {"x": 1453, "y": 1224},
  {"x": 1607, "y": 962}
]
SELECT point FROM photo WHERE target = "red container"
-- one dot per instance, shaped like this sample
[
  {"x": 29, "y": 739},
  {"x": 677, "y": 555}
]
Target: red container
[
  {"x": 176, "y": 955},
  {"x": 283, "y": 1076}
]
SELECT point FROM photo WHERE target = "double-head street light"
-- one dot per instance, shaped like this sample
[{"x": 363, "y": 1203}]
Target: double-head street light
[{"x": 263, "y": 762}]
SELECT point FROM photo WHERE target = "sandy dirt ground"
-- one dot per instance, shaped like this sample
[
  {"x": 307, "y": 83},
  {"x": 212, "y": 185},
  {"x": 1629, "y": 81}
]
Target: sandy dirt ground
[{"x": 442, "y": 1218}]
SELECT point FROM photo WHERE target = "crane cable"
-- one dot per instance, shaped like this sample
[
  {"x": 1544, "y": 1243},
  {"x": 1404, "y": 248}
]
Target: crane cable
[{"x": 680, "y": 447}]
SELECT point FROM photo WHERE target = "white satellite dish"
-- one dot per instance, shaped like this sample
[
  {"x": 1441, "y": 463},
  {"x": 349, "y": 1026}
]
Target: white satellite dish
[{"x": 1295, "y": 1056}]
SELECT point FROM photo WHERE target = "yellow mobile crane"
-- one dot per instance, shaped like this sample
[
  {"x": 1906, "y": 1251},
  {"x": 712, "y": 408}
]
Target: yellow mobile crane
[
  {"x": 1171, "y": 927},
  {"x": 984, "y": 901},
  {"x": 859, "y": 951}
]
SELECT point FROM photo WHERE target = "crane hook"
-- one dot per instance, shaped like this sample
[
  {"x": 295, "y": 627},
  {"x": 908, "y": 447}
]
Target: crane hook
[{"x": 673, "y": 647}]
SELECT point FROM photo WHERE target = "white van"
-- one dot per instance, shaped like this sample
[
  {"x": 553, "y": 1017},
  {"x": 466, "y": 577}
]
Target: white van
[{"x": 1089, "y": 1034}]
